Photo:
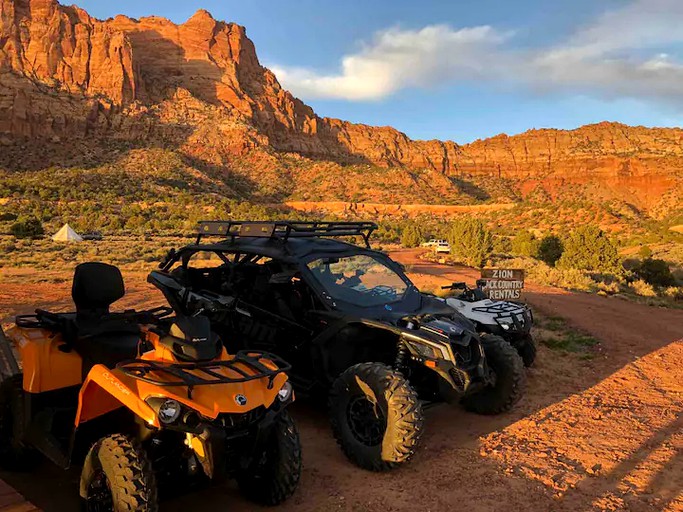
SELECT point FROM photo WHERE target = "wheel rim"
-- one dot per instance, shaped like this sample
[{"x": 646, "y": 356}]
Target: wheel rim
[
  {"x": 99, "y": 497},
  {"x": 366, "y": 421}
]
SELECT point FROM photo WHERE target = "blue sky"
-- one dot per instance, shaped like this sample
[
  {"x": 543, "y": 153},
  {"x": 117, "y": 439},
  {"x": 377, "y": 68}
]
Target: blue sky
[{"x": 461, "y": 70}]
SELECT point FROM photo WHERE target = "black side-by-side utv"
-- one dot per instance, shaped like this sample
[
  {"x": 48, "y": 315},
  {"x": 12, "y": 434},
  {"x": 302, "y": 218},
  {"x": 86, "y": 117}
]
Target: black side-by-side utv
[{"x": 350, "y": 322}]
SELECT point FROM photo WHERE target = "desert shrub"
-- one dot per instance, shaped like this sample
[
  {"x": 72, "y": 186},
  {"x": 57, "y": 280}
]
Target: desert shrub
[
  {"x": 470, "y": 240},
  {"x": 539, "y": 272},
  {"x": 6, "y": 247},
  {"x": 674, "y": 293},
  {"x": 27, "y": 227},
  {"x": 642, "y": 288},
  {"x": 550, "y": 250},
  {"x": 502, "y": 245},
  {"x": 524, "y": 244},
  {"x": 387, "y": 233},
  {"x": 588, "y": 248},
  {"x": 609, "y": 288},
  {"x": 411, "y": 235},
  {"x": 645, "y": 252},
  {"x": 655, "y": 272},
  {"x": 7, "y": 216}
]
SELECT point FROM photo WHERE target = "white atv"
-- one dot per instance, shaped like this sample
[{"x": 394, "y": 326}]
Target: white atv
[{"x": 508, "y": 320}]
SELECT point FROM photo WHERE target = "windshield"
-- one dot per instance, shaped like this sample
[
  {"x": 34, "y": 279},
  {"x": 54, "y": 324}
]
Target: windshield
[{"x": 360, "y": 280}]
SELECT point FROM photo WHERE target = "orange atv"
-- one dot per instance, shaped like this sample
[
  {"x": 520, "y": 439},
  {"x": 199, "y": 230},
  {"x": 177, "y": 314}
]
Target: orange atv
[{"x": 142, "y": 399}]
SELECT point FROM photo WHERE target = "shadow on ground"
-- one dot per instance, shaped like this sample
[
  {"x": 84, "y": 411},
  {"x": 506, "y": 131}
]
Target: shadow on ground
[{"x": 598, "y": 434}]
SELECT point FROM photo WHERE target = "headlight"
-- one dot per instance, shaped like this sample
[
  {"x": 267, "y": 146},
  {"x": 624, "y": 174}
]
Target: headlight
[
  {"x": 285, "y": 392},
  {"x": 506, "y": 323},
  {"x": 169, "y": 411},
  {"x": 428, "y": 350}
]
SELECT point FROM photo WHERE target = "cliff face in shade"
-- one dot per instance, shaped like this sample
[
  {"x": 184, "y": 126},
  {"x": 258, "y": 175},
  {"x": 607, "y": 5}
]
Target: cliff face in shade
[{"x": 199, "y": 86}]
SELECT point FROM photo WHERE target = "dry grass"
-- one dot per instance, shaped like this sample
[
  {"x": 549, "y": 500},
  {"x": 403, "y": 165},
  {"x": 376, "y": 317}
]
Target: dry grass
[
  {"x": 640, "y": 287},
  {"x": 129, "y": 253}
]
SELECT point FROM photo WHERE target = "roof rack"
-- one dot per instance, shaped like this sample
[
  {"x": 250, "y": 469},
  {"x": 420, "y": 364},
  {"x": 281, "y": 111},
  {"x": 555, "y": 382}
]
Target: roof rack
[{"x": 284, "y": 230}]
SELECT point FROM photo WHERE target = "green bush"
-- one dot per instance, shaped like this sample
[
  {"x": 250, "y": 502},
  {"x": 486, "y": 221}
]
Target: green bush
[
  {"x": 411, "y": 235},
  {"x": 471, "y": 242},
  {"x": 540, "y": 273},
  {"x": 550, "y": 249},
  {"x": 524, "y": 244},
  {"x": 502, "y": 244},
  {"x": 655, "y": 272},
  {"x": 645, "y": 252},
  {"x": 588, "y": 248},
  {"x": 27, "y": 227}
]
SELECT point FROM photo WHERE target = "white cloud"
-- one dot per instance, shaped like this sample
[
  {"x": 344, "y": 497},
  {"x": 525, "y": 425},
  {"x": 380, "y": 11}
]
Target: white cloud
[
  {"x": 618, "y": 54},
  {"x": 397, "y": 59}
]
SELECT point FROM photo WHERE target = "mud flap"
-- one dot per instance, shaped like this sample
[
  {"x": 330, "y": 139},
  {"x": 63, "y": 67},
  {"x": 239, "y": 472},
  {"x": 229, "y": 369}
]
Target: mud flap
[
  {"x": 263, "y": 430},
  {"x": 209, "y": 448}
]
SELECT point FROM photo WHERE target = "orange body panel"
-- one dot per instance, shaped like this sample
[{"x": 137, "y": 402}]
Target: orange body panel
[
  {"x": 104, "y": 391},
  {"x": 214, "y": 399},
  {"x": 45, "y": 367}
]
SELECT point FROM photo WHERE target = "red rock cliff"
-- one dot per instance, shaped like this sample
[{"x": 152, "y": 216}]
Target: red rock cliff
[{"x": 65, "y": 73}]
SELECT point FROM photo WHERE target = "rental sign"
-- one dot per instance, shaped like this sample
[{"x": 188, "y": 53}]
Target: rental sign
[{"x": 502, "y": 283}]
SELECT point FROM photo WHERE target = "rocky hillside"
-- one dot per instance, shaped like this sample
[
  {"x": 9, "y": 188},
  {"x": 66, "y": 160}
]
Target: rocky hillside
[{"x": 198, "y": 89}]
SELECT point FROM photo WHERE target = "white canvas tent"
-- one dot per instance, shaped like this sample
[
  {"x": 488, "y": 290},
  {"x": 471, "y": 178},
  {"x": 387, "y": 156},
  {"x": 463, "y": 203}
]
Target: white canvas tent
[{"x": 67, "y": 234}]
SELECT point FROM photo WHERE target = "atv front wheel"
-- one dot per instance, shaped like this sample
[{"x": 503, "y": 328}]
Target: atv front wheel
[
  {"x": 510, "y": 379},
  {"x": 14, "y": 455},
  {"x": 376, "y": 416},
  {"x": 275, "y": 475},
  {"x": 117, "y": 476},
  {"x": 526, "y": 348}
]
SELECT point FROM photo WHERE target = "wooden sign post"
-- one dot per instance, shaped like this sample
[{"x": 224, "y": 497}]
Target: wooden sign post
[{"x": 502, "y": 284}]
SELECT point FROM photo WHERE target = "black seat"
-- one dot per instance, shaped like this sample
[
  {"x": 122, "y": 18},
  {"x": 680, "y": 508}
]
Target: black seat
[{"x": 101, "y": 337}]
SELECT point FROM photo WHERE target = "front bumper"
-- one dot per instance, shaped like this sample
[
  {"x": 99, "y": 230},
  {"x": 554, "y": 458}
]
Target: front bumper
[
  {"x": 221, "y": 444},
  {"x": 465, "y": 370},
  {"x": 512, "y": 320}
]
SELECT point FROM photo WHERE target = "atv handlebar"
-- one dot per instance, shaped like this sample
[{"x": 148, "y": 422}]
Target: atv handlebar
[{"x": 455, "y": 286}]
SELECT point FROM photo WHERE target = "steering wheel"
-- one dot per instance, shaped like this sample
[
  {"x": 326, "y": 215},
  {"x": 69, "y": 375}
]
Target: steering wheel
[{"x": 383, "y": 291}]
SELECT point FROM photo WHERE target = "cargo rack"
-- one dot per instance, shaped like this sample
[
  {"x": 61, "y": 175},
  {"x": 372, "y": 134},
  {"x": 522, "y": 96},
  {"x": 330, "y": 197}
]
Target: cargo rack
[
  {"x": 283, "y": 230},
  {"x": 193, "y": 374}
]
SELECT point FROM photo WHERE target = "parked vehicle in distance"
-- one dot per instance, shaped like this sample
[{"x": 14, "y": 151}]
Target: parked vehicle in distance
[
  {"x": 353, "y": 325},
  {"x": 438, "y": 245},
  {"x": 433, "y": 242},
  {"x": 442, "y": 247},
  {"x": 509, "y": 320},
  {"x": 142, "y": 401},
  {"x": 92, "y": 236}
]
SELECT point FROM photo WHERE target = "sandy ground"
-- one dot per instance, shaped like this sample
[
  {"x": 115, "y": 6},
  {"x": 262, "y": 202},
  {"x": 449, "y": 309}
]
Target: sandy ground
[{"x": 591, "y": 434}]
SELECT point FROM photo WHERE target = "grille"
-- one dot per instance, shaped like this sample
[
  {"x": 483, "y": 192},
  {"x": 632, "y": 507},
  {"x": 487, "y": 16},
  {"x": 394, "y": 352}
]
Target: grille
[
  {"x": 459, "y": 380},
  {"x": 241, "y": 421}
]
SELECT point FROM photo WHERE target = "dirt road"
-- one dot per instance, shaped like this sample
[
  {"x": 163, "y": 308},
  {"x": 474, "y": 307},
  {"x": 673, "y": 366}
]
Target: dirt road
[{"x": 598, "y": 434}]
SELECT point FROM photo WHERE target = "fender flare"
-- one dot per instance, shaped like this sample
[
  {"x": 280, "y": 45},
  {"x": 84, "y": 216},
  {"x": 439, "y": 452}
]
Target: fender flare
[{"x": 103, "y": 391}]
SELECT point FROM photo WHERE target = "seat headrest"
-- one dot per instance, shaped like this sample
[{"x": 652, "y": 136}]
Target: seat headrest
[{"x": 96, "y": 285}]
